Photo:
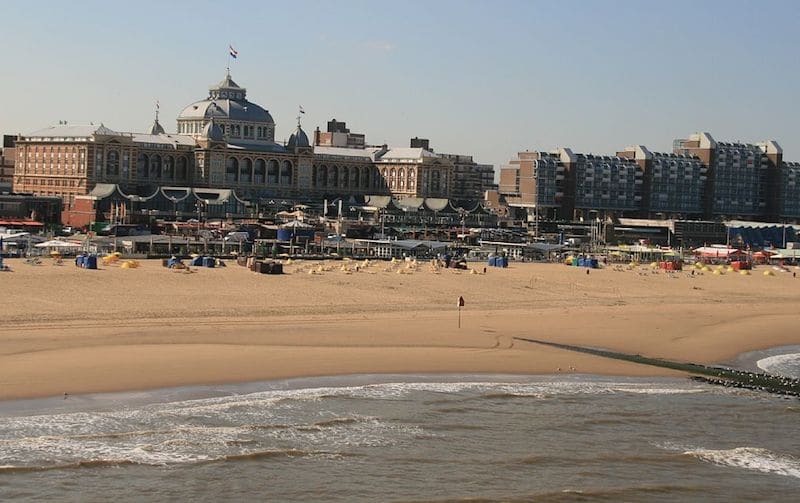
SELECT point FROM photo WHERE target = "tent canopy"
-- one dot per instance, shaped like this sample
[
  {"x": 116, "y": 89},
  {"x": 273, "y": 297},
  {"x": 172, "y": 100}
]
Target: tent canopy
[
  {"x": 58, "y": 244},
  {"x": 716, "y": 252}
]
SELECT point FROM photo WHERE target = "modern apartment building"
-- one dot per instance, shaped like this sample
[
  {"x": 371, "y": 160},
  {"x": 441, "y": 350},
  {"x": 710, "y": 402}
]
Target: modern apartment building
[
  {"x": 789, "y": 191},
  {"x": 743, "y": 178},
  {"x": 701, "y": 179},
  {"x": 672, "y": 184},
  {"x": 565, "y": 185}
]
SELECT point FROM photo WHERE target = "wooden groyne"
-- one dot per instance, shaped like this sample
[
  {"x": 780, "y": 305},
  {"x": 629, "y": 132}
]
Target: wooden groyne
[{"x": 715, "y": 375}]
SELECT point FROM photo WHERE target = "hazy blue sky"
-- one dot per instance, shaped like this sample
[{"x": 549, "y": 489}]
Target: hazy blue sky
[{"x": 481, "y": 78}]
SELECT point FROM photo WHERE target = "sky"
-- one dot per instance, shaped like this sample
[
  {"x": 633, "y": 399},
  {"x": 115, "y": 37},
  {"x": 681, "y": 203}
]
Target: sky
[{"x": 481, "y": 78}]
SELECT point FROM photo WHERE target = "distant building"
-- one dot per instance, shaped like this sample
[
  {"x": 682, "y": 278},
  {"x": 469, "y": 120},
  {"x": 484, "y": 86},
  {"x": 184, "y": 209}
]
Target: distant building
[
  {"x": 225, "y": 142},
  {"x": 29, "y": 209},
  {"x": 470, "y": 180},
  {"x": 702, "y": 179},
  {"x": 338, "y": 135},
  {"x": 742, "y": 178},
  {"x": 673, "y": 185},
  {"x": 7, "y": 158},
  {"x": 415, "y": 172},
  {"x": 417, "y": 142}
]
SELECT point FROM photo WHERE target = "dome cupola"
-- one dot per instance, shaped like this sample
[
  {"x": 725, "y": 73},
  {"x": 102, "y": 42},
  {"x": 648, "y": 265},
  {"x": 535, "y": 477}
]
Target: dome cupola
[
  {"x": 239, "y": 119},
  {"x": 298, "y": 138},
  {"x": 213, "y": 132}
]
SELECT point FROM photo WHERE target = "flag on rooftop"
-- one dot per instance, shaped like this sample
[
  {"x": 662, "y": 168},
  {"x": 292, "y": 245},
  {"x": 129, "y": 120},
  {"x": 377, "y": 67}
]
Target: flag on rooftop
[
  {"x": 301, "y": 109},
  {"x": 233, "y": 52}
]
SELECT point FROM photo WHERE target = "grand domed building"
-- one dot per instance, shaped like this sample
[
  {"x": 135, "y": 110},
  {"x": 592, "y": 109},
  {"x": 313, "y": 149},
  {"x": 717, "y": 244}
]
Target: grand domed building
[
  {"x": 224, "y": 153},
  {"x": 240, "y": 120}
]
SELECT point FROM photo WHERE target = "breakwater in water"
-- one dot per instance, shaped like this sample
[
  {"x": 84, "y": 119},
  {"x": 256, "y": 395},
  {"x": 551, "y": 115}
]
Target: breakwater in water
[{"x": 714, "y": 375}]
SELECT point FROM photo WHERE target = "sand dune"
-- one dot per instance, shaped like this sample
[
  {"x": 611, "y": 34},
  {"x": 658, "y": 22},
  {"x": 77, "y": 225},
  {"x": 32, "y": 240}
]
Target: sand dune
[{"x": 74, "y": 330}]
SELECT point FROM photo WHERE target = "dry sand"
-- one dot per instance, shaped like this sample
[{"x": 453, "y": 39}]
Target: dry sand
[{"x": 71, "y": 330}]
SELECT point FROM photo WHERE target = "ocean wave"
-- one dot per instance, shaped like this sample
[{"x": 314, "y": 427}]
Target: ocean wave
[
  {"x": 787, "y": 365},
  {"x": 277, "y": 407},
  {"x": 188, "y": 444},
  {"x": 339, "y": 421},
  {"x": 749, "y": 458},
  {"x": 94, "y": 463},
  {"x": 282, "y": 453},
  {"x": 108, "y": 463}
]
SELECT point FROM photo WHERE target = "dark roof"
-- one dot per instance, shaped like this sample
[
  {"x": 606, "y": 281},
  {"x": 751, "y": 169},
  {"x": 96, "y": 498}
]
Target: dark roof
[{"x": 298, "y": 138}]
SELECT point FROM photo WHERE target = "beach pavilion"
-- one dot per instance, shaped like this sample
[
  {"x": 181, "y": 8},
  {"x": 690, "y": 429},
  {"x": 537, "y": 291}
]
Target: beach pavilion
[
  {"x": 719, "y": 253},
  {"x": 400, "y": 248}
]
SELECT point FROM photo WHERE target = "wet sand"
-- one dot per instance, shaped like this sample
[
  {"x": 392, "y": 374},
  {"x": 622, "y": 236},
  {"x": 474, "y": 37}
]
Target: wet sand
[{"x": 71, "y": 330}]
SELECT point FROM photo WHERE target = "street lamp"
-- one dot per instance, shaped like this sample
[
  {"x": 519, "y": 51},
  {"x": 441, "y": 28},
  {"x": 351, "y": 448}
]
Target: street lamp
[{"x": 199, "y": 215}]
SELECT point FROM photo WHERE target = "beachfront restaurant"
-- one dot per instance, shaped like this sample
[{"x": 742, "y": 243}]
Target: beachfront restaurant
[
  {"x": 719, "y": 254},
  {"x": 641, "y": 253},
  {"x": 785, "y": 255},
  {"x": 401, "y": 248}
]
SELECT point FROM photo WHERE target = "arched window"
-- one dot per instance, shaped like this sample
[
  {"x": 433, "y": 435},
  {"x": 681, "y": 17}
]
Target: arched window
[
  {"x": 286, "y": 173},
  {"x": 260, "y": 173},
  {"x": 365, "y": 178},
  {"x": 355, "y": 181},
  {"x": 436, "y": 178},
  {"x": 155, "y": 167},
  {"x": 183, "y": 170},
  {"x": 392, "y": 177},
  {"x": 231, "y": 170},
  {"x": 112, "y": 163},
  {"x": 345, "y": 177},
  {"x": 334, "y": 181},
  {"x": 246, "y": 171},
  {"x": 272, "y": 172},
  {"x": 169, "y": 168},
  {"x": 401, "y": 179},
  {"x": 323, "y": 176},
  {"x": 143, "y": 166}
]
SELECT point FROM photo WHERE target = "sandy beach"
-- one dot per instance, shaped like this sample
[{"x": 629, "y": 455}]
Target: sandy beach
[{"x": 66, "y": 329}]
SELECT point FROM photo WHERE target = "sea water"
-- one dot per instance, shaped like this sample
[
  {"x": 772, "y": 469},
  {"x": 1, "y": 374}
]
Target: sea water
[
  {"x": 782, "y": 364},
  {"x": 409, "y": 438}
]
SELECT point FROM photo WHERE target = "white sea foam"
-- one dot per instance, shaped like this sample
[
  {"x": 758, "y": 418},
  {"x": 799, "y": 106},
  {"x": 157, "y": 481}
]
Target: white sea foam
[
  {"x": 177, "y": 443},
  {"x": 205, "y": 429},
  {"x": 750, "y": 458},
  {"x": 787, "y": 365}
]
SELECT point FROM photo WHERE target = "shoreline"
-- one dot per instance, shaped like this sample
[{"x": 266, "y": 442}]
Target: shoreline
[
  {"x": 114, "y": 330},
  {"x": 98, "y": 402},
  {"x": 79, "y": 402}
]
